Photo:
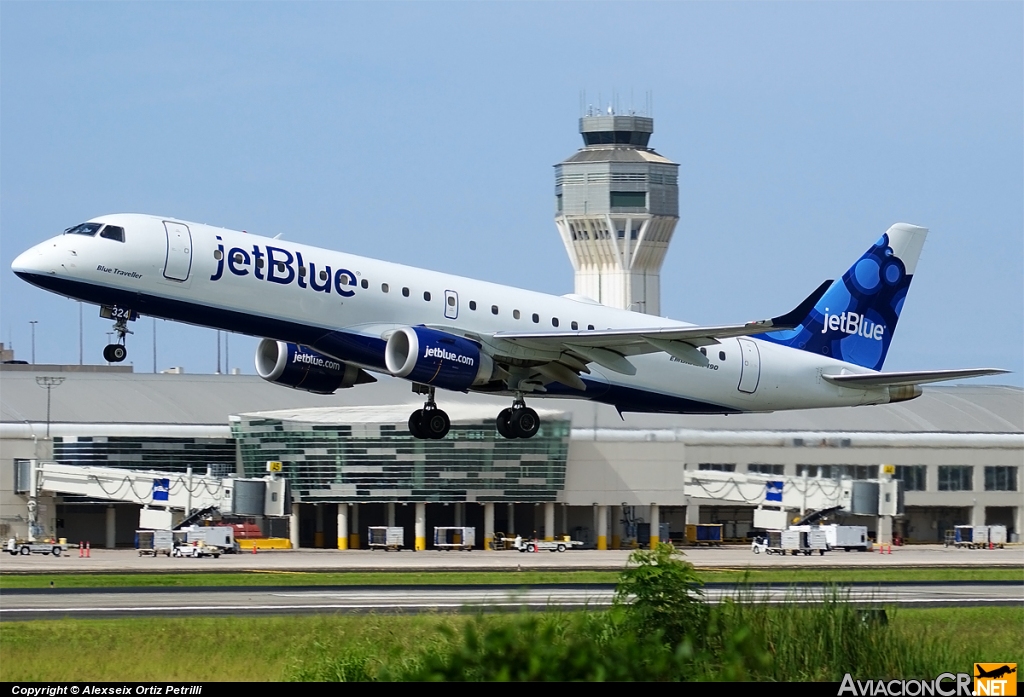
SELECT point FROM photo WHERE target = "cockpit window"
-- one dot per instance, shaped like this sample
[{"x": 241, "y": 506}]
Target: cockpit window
[
  {"x": 113, "y": 232},
  {"x": 84, "y": 229}
]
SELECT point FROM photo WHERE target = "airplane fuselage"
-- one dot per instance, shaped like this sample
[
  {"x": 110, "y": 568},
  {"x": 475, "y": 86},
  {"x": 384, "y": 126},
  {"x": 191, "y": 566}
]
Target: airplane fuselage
[{"x": 345, "y": 306}]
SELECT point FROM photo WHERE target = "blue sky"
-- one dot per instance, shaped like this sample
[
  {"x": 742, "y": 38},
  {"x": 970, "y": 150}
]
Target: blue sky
[{"x": 425, "y": 133}]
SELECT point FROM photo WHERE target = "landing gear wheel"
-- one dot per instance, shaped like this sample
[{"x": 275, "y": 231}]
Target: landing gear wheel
[
  {"x": 435, "y": 424},
  {"x": 416, "y": 424},
  {"x": 114, "y": 353},
  {"x": 502, "y": 424},
  {"x": 524, "y": 423}
]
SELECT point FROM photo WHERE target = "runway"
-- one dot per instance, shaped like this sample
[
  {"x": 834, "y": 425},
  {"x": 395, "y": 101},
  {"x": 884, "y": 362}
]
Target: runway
[{"x": 32, "y": 604}]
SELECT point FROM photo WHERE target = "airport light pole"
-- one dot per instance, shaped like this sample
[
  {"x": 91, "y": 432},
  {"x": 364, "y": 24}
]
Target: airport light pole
[
  {"x": 33, "y": 322},
  {"x": 49, "y": 383}
]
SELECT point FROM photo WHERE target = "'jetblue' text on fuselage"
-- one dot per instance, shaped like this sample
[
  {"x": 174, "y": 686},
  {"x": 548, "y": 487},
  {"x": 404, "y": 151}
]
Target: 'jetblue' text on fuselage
[{"x": 283, "y": 267}]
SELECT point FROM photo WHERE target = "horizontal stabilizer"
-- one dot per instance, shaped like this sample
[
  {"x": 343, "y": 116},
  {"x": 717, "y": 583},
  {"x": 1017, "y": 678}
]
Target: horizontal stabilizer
[{"x": 913, "y": 377}]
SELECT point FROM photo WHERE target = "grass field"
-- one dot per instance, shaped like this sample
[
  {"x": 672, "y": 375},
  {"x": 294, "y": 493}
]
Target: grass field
[
  {"x": 398, "y": 578},
  {"x": 281, "y": 648}
]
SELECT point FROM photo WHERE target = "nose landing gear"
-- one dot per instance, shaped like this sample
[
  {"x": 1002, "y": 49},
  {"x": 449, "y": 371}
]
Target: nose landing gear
[
  {"x": 429, "y": 423},
  {"x": 517, "y": 422},
  {"x": 115, "y": 353}
]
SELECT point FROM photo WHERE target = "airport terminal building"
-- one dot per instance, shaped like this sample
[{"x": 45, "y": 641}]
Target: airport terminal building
[{"x": 350, "y": 459}]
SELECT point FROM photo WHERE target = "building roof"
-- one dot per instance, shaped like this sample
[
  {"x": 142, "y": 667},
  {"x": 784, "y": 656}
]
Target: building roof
[
  {"x": 612, "y": 153},
  {"x": 142, "y": 398}
]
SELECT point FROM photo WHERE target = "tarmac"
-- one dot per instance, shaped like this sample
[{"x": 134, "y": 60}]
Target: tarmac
[{"x": 311, "y": 560}]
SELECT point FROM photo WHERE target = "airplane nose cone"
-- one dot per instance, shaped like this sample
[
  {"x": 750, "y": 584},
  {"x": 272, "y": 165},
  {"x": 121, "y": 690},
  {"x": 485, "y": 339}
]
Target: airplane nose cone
[
  {"x": 22, "y": 263},
  {"x": 29, "y": 262}
]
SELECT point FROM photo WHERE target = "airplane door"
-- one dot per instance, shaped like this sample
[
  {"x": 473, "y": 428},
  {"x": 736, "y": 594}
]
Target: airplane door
[
  {"x": 179, "y": 252},
  {"x": 750, "y": 368},
  {"x": 451, "y": 304}
]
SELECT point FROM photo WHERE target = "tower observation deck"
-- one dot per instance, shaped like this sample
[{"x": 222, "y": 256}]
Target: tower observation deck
[{"x": 617, "y": 205}]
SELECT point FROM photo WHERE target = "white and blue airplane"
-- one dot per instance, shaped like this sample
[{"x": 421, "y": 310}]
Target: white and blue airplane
[{"x": 327, "y": 318}]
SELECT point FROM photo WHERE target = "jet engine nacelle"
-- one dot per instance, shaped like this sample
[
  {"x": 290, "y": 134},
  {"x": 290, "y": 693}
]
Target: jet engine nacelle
[
  {"x": 437, "y": 358},
  {"x": 301, "y": 368}
]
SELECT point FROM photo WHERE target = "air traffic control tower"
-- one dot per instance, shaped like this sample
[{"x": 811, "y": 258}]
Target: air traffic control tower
[{"x": 617, "y": 204}]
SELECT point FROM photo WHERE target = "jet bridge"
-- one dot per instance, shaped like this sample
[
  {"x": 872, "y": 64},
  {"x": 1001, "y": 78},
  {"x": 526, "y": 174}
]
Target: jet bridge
[
  {"x": 161, "y": 494},
  {"x": 776, "y": 495}
]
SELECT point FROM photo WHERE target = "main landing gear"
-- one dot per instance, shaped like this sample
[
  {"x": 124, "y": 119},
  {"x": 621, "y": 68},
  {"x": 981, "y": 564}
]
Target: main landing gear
[
  {"x": 518, "y": 422},
  {"x": 115, "y": 353},
  {"x": 429, "y": 423}
]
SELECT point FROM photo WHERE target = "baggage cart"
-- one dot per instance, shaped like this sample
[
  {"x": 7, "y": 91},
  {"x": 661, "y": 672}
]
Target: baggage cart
[
  {"x": 454, "y": 538},
  {"x": 383, "y": 537}
]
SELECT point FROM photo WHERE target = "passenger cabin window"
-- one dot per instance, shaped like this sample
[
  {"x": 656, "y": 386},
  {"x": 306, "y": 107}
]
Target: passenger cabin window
[
  {"x": 451, "y": 301},
  {"x": 302, "y": 269},
  {"x": 703, "y": 350},
  {"x": 536, "y": 318},
  {"x": 259, "y": 265},
  {"x": 280, "y": 265},
  {"x": 494, "y": 309},
  {"x": 365, "y": 284},
  {"x": 515, "y": 314},
  {"x": 574, "y": 325},
  {"x": 590, "y": 327},
  {"x": 384, "y": 288},
  {"x": 405, "y": 292},
  {"x": 426, "y": 295},
  {"x": 84, "y": 229},
  {"x": 472, "y": 304},
  {"x": 721, "y": 355},
  {"x": 554, "y": 321},
  {"x": 113, "y": 232},
  {"x": 217, "y": 254}
]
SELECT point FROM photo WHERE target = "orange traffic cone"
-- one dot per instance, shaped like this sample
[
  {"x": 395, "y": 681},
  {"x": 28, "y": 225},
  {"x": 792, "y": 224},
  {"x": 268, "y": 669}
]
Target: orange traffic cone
[
  {"x": 88, "y": 549},
  {"x": 81, "y": 549},
  {"x": 254, "y": 546},
  {"x": 890, "y": 550}
]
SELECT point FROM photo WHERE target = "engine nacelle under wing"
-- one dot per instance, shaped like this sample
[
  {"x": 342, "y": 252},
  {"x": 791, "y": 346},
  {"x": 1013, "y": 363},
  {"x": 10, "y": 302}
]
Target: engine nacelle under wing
[
  {"x": 301, "y": 368},
  {"x": 437, "y": 358}
]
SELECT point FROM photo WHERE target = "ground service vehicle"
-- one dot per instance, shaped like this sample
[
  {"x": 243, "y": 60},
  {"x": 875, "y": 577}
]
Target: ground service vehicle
[
  {"x": 550, "y": 546},
  {"x": 16, "y": 547}
]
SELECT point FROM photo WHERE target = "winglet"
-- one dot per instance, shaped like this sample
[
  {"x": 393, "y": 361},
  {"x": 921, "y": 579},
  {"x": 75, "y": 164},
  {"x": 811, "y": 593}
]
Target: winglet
[{"x": 794, "y": 317}]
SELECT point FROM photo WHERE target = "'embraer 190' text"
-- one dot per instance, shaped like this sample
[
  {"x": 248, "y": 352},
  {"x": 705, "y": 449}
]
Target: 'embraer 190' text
[
  {"x": 281, "y": 266},
  {"x": 444, "y": 354},
  {"x": 854, "y": 324}
]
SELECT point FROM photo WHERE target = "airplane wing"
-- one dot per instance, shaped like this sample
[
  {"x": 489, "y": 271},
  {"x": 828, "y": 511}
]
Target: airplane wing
[
  {"x": 916, "y": 377},
  {"x": 609, "y": 347}
]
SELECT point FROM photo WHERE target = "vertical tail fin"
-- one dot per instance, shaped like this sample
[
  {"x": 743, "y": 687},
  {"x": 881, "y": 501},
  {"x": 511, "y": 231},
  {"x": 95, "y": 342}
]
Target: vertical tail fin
[{"x": 855, "y": 319}]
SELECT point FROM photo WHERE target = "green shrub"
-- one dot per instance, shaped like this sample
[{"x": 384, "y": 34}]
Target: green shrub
[{"x": 662, "y": 593}]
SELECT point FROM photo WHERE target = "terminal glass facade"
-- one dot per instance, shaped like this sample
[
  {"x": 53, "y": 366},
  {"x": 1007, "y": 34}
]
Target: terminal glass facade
[
  {"x": 147, "y": 453},
  {"x": 366, "y": 462}
]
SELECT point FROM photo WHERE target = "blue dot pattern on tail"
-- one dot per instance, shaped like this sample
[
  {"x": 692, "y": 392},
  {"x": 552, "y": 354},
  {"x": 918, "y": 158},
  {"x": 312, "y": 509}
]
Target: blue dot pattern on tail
[{"x": 855, "y": 319}]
